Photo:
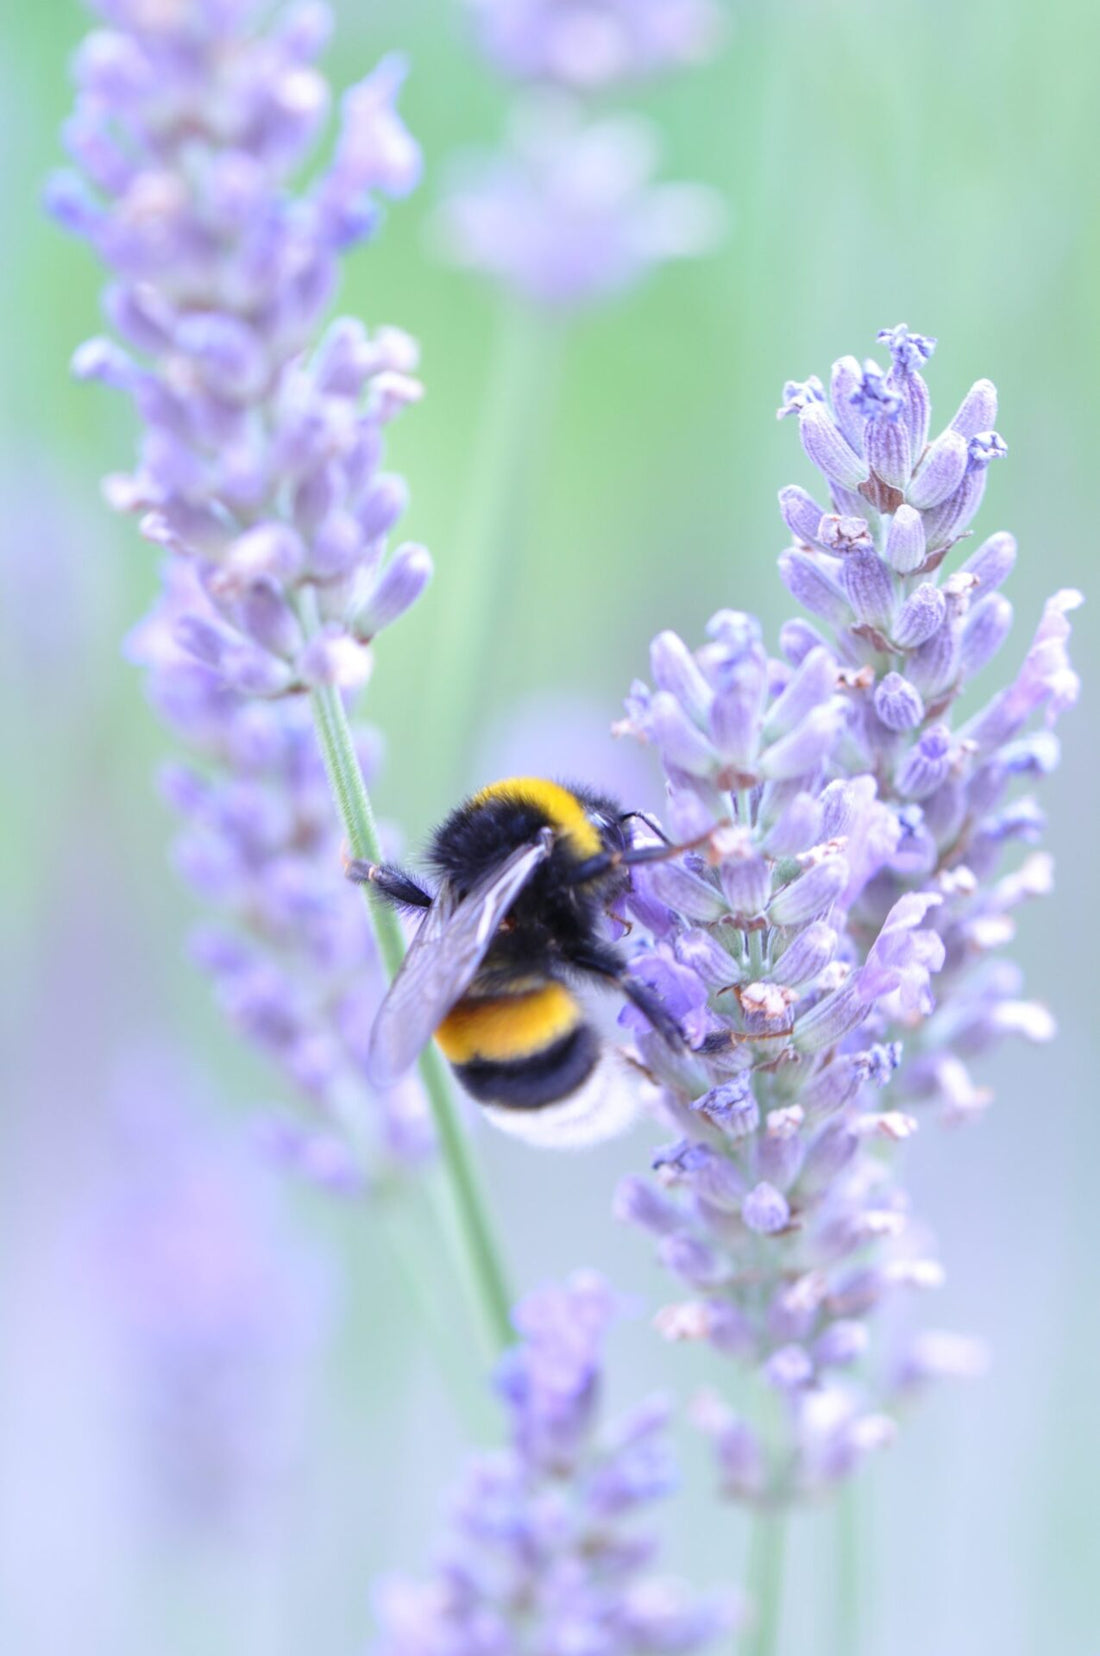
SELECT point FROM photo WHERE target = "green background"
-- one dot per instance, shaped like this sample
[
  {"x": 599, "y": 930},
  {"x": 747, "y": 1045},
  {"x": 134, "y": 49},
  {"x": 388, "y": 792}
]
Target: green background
[{"x": 881, "y": 161}]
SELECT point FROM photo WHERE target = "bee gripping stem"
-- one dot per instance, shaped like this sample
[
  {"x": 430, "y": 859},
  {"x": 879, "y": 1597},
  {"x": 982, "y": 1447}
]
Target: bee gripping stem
[{"x": 475, "y": 1232}]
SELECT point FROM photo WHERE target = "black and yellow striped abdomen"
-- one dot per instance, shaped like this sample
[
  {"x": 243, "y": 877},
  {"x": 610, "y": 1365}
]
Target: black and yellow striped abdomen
[{"x": 520, "y": 1050}]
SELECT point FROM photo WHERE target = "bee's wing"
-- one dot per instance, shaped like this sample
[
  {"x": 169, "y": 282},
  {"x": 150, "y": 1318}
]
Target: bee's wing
[{"x": 442, "y": 962}]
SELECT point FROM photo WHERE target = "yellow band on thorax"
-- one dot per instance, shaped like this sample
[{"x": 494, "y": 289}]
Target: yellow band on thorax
[
  {"x": 502, "y": 1028},
  {"x": 562, "y": 809}
]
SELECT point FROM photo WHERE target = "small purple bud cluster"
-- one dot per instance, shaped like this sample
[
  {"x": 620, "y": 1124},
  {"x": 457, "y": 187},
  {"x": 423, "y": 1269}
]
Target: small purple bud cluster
[
  {"x": 567, "y": 213},
  {"x": 851, "y": 845},
  {"x": 542, "y": 1553},
  {"x": 589, "y": 44},
  {"x": 260, "y": 468}
]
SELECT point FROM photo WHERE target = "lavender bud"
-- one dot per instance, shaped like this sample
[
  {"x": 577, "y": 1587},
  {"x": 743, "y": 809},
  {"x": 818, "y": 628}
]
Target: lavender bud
[
  {"x": 795, "y": 1308},
  {"x": 992, "y": 562},
  {"x": 801, "y": 514},
  {"x": 404, "y": 579},
  {"x": 675, "y": 670},
  {"x": 937, "y": 1355},
  {"x": 780, "y": 1149},
  {"x": 977, "y": 411},
  {"x": 267, "y": 617},
  {"x": 337, "y": 549},
  {"x": 916, "y": 405},
  {"x": 844, "y": 392},
  {"x": 812, "y": 684},
  {"x": 925, "y": 766},
  {"x": 705, "y": 956},
  {"x": 742, "y": 1459},
  {"x": 905, "y": 543},
  {"x": 732, "y": 1107},
  {"x": 828, "y": 450},
  {"x": 831, "y": 1019},
  {"x": 843, "y": 1343},
  {"x": 831, "y": 1152},
  {"x": 888, "y": 450},
  {"x": 637, "y": 1203},
  {"x": 987, "y": 626},
  {"x": 382, "y": 505},
  {"x": 746, "y": 881},
  {"x": 797, "y": 638},
  {"x": 806, "y": 747},
  {"x": 933, "y": 666},
  {"x": 946, "y": 522},
  {"x": 693, "y": 1260},
  {"x": 898, "y": 703},
  {"x": 940, "y": 472},
  {"x": 844, "y": 804},
  {"x": 789, "y": 1369},
  {"x": 921, "y": 615},
  {"x": 228, "y": 354},
  {"x": 697, "y": 899},
  {"x": 810, "y": 582},
  {"x": 797, "y": 827},
  {"x": 679, "y": 741},
  {"x": 810, "y": 896},
  {"x": 807, "y": 955},
  {"x": 765, "y": 1210},
  {"x": 870, "y": 588}
]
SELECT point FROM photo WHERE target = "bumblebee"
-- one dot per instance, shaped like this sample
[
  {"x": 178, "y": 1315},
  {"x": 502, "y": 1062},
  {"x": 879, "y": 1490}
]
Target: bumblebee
[{"x": 525, "y": 872}]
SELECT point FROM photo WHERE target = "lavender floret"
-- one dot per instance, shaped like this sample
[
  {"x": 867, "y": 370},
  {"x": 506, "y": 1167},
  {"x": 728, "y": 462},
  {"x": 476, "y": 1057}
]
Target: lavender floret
[
  {"x": 543, "y": 1551},
  {"x": 856, "y": 887}
]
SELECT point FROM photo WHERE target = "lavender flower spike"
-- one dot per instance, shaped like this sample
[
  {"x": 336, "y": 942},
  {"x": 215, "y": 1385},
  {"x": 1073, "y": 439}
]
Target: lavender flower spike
[
  {"x": 260, "y": 475},
  {"x": 588, "y": 44},
  {"x": 568, "y": 214},
  {"x": 833, "y": 948},
  {"x": 544, "y": 1553}
]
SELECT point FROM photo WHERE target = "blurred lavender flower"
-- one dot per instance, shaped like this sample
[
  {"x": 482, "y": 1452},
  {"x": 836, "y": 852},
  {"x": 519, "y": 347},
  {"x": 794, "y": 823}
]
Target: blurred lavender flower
[
  {"x": 218, "y": 1311},
  {"x": 542, "y": 1554},
  {"x": 830, "y": 953},
  {"x": 591, "y": 43},
  {"x": 260, "y": 469},
  {"x": 568, "y": 214}
]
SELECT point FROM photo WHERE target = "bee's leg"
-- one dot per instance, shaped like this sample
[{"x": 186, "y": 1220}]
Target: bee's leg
[
  {"x": 651, "y": 823},
  {"x": 604, "y": 963},
  {"x": 642, "y": 996},
  {"x": 392, "y": 884},
  {"x": 604, "y": 862}
]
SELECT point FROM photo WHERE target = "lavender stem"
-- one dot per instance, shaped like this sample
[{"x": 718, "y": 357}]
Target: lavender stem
[
  {"x": 349, "y": 790},
  {"x": 847, "y": 1635},
  {"x": 765, "y": 1582},
  {"x": 508, "y": 439}
]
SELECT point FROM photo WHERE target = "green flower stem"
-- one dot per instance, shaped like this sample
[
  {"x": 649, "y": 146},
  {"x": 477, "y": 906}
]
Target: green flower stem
[
  {"x": 509, "y": 441},
  {"x": 848, "y": 1638},
  {"x": 472, "y": 1225},
  {"x": 765, "y": 1583}
]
